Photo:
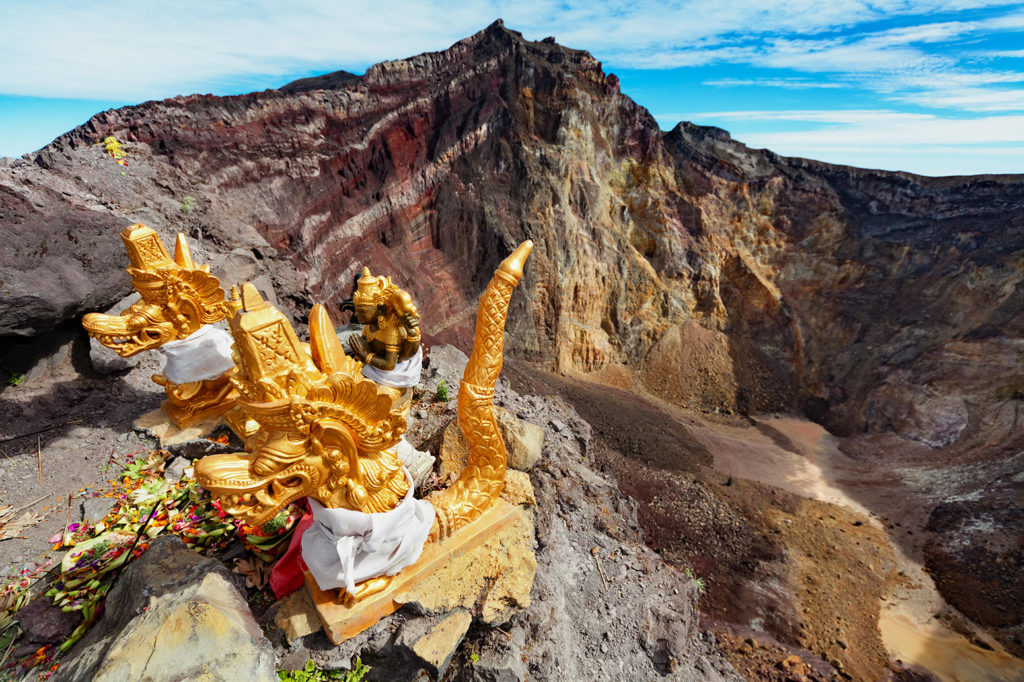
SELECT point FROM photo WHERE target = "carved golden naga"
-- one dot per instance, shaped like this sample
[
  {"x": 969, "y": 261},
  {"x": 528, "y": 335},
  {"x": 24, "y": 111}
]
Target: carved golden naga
[
  {"x": 328, "y": 433},
  {"x": 178, "y": 299}
]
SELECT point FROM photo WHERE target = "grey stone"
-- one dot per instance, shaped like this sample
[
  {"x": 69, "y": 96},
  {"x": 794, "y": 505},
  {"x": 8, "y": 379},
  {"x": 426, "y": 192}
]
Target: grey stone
[
  {"x": 173, "y": 615},
  {"x": 51, "y": 364},
  {"x": 199, "y": 447},
  {"x": 523, "y": 440},
  {"x": 176, "y": 469},
  {"x": 499, "y": 665},
  {"x": 434, "y": 647},
  {"x": 104, "y": 360},
  {"x": 523, "y": 443},
  {"x": 44, "y": 623},
  {"x": 238, "y": 266},
  {"x": 668, "y": 626},
  {"x": 49, "y": 274},
  {"x": 346, "y": 332},
  {"x": 95, "y": 508},
  {"x": 447, "y": 363}
]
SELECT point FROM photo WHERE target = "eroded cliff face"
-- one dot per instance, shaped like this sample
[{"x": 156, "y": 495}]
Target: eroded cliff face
[{"x": 721, "y": 277}]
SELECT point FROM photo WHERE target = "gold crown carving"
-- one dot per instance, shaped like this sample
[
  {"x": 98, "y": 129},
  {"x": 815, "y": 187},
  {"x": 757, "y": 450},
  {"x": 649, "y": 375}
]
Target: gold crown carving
[
  {"x": 285, "y": 384},
  {"x": 178, "y": 297}
]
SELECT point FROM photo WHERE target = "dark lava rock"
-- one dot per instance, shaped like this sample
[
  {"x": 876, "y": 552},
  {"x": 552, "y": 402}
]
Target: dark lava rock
[{"x": 44, "y": 623}]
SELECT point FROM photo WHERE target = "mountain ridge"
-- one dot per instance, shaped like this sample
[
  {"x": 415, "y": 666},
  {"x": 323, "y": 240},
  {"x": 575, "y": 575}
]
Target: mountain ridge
[
  {"x": 378, "y": 167},
  {"x": 679, "y": 264}
]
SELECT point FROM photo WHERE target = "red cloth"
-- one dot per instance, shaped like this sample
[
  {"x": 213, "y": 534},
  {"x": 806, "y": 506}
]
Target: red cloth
[{"x": 287, "y": 574}]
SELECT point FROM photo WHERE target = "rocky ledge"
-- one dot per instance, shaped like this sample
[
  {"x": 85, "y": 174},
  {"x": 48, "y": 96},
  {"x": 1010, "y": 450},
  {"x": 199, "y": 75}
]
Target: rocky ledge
[{"x": 603, "y": 606}]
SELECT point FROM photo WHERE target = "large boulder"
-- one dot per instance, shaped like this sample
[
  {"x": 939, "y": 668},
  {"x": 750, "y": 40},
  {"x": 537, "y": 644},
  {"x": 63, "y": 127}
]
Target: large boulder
[
  {"x": 523, "y": 443},
  {"x": 173, "y": 615}
]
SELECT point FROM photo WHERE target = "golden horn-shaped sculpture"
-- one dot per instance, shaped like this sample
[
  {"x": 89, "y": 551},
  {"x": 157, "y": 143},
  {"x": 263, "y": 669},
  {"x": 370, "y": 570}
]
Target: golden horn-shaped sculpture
[
  {"x": 480, "y": 482},
  {"x": 182, "y": 254}
]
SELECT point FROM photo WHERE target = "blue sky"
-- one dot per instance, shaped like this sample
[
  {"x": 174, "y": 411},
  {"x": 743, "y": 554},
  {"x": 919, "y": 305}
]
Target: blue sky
[{"x": 933, "y": 87}]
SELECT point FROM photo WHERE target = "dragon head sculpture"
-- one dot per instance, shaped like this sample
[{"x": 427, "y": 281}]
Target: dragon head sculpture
[
  {"x": 324, "y": 430},
  {"x": 328, "y": 432},
  {"x": 178, "y": 297}
]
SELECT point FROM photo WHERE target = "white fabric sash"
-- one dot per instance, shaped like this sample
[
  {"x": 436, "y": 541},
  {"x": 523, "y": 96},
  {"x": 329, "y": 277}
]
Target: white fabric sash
[
  {"x": 418, "y": 462},
  {"x": 344, "y": 547},
  {"x": 206, "y": 354},
  {"x": 406, "y": 372}
]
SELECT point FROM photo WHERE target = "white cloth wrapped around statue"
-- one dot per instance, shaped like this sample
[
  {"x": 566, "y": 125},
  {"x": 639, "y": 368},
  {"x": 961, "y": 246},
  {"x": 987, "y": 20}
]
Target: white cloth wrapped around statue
[
  {"x": 405, "y": 374},
  {"x": 419, "y": 462},
  {"x": 206, "y": 354},
  {"x": 345, "y": 547}
]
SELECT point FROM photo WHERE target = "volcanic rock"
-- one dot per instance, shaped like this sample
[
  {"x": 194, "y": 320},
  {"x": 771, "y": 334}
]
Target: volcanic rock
[
  {"x": 523, "y": 443},
  {"x": 718, "y": 277},
  {"x": 617, "y": 613},
  {"x": 861, "y": 296},
  {"x": 173, "y": 615}
]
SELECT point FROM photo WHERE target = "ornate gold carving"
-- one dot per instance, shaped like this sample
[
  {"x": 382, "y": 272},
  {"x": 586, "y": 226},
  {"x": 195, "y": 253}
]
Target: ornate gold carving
[
  {"x": 178, "y": 298},
  {"x": 327, "y": 432},
  {"x": 196, "y": 401},
  {"x": 324, "y": 429},
  {"x": 392, "y": 321}
]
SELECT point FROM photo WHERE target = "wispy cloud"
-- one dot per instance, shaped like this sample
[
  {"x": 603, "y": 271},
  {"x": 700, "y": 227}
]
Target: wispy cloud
[
  {"x": 126, "y": 49},
  {"x": 1008, "y": 54},
  {"x": 875, "y": 127},
  {"x": 923, "y": 143},
  {"x": 788, "y": 83},
  {"x": 966, "y": 99}
]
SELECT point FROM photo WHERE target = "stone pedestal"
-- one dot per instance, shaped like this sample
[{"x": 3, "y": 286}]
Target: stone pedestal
[
  {"x": 487, "y": 567},
  {"x": 163, "y": 428}
]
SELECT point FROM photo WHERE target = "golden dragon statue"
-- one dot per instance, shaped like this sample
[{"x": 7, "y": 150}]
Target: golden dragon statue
[
  {"x": 313, "y": 424},
  {"x": 179, "y": 300},
  {"x": 328, "y": 432}
]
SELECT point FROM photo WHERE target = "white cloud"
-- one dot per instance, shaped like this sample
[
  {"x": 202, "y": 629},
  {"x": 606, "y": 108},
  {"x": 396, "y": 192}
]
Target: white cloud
[
  {"x": 920, "y": 143},
  {"x": 966, "y": 99},
  {"x": 1007, "y": 54},
  {"x": 788, "y": 83},
  {"x": 135, "y": 50},
  {"x": 871, "y": 128},
  {"x": 131, "y": 50}
]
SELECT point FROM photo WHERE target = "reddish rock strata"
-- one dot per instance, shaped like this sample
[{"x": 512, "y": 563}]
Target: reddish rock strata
[
  {"x": 854, "y": 294},
  {"x": 721, "y": 277}
]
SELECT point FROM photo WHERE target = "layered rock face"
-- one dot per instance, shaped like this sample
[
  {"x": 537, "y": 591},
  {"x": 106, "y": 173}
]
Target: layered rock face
[{"x": 723, "y": 277}]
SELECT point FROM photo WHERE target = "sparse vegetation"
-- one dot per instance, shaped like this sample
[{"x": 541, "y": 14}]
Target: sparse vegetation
[
  {"x": 442, "y": 392},
  {"x": 188, "y": 205},
  {"x": 15, "y": 379},
  {"x": 311, "y": 673},
  {"x": 697, "y": 580}
]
